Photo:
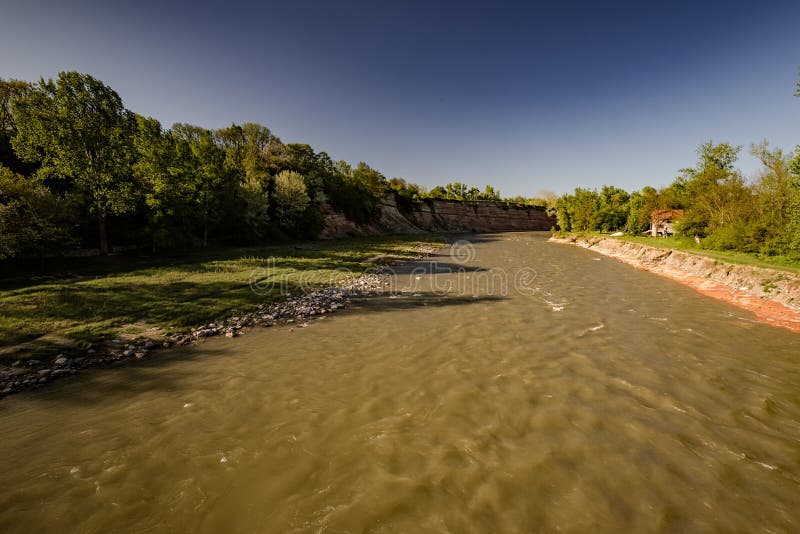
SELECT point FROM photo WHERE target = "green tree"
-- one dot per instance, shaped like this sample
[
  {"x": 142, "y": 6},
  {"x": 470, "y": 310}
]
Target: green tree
[
  {"x": 32, "y": 219},
  {"x": 490, "y": 193},
  {"x": 583, "y": 209},
  {"x": 640, "y": 207},
  {"x": 614, "y": 209},
  {"x": 291, "y": 198},
  {"x": 165, "y": 171},
  {"x": 456, "y": 191},
  {"x": 77, "y": 128},
  {"x": 371, "y": 179},
  {"x": 774, "y": 198},
  {"x": 717, "y": 190},
  {"x": 438, "y": 192},
  {"x": 11, "y": 90},
  {"x": 794, "y": 209},
  {"x": 251, "y": 150},
  {"x": 211, "y": 182}
]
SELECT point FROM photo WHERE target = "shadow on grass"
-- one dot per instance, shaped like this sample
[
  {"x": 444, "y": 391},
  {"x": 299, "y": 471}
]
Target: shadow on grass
[
  {"x": 103, "y": 309},
  {"x": 158, "y": 372},
  {"x": 59, "y": 270}
]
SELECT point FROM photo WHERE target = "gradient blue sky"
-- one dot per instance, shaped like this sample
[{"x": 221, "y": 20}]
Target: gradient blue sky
[{"x": 529, "y": 96}]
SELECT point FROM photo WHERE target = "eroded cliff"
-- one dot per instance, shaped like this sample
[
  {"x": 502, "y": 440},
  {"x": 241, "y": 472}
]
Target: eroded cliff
[{"x": 442, "y": 216}]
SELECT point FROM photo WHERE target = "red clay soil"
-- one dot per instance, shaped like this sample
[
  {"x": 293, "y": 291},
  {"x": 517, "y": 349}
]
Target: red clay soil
[
  {"x": 771, "y": 295},
  {"x": 766, "y": 311}
]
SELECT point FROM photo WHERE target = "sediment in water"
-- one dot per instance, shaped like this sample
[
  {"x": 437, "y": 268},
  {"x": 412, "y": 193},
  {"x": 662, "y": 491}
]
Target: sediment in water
[
  {"x": 294, "y": 310},
  {"x": 773, "y": 296}
]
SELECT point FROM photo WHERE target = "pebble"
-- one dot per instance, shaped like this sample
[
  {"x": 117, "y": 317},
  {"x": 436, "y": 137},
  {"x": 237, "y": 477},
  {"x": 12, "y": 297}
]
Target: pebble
[{"x": 293, "y": 310}]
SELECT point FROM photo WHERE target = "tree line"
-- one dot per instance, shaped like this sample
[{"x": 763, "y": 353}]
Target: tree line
[
  {"x": 721, "y": 209},
  {"x": 78, "y": 169}
]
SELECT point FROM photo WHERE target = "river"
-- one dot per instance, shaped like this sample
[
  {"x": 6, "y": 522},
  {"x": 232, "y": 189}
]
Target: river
[{"x": 549, "y": 389}]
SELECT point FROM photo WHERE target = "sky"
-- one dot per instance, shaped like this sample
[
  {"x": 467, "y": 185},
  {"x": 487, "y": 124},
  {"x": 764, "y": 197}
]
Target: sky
[{"x": 528, "y": 96}]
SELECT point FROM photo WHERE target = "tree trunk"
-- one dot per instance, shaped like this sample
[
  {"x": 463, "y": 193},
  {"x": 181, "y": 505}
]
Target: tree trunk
[
  {"x": 205, "y": 235},
  {"x": 101, "y": 221}
]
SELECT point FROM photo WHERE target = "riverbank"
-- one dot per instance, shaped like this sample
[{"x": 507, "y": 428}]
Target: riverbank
[
  {"x": 77, "y": 315},
  {"x": 772, "y": 295}
]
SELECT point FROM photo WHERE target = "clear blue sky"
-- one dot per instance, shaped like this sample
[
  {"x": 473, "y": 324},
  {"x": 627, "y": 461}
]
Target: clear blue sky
[{"x": 525, "y": 96}]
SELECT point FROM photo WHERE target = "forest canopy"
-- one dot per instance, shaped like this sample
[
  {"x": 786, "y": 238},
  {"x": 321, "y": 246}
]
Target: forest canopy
[{"x": 78, "y": 169}]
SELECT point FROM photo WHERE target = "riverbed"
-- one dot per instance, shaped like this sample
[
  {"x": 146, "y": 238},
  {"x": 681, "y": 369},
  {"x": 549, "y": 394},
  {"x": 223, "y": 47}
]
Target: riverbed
[{"x": 507, "y": 384}]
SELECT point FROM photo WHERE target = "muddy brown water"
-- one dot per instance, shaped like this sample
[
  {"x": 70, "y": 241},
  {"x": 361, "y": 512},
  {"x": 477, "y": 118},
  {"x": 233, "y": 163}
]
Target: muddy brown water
[{"x": 591, "y": 396}]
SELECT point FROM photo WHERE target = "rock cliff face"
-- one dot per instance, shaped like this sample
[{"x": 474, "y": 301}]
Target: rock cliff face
[
  {"x": 449, "y": 215},
  {"x": 443, "y": 216}
]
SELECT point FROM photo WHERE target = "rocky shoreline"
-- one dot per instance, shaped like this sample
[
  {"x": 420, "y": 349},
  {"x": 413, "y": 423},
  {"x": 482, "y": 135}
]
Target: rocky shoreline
[
  {"x": 297, "y": 311},
  {"x": 773, "y": 296}
]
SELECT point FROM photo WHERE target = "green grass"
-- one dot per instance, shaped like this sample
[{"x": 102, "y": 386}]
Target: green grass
[
  {"x": 781, "y": 263},
  {"x": 75, "y": 301}
]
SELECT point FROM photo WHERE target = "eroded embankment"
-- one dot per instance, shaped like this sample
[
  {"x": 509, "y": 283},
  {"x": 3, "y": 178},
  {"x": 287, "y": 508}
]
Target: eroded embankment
[{"x": 773, "y": 296}]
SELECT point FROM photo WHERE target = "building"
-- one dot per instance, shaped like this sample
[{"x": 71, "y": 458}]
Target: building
[{"x": 662, "y": 221}]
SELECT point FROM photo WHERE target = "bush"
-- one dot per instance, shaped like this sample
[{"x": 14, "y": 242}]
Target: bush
[
  {"x": 32, "y": 219},
  {"x": 353, "y": 198},
  {"x": 291, "y": 198}
]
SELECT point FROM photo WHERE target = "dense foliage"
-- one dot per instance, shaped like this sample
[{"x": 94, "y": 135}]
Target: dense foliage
[
  {"x": 721, "y": 209},
  {"x": 78, "y": 169}
]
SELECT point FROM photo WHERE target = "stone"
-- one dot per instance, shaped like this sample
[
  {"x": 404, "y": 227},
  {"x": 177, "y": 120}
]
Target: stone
[
  {"x": 128, "y": 353},
  {"x": 61, "y": 361},
  {"x": 45, "y": 372}
]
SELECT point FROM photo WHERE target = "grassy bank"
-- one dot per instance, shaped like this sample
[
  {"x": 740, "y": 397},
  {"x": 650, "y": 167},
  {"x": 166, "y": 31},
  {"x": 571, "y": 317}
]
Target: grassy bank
[
  {"x": 781, "y": 263},
  {"x": 69, "y": 301}
]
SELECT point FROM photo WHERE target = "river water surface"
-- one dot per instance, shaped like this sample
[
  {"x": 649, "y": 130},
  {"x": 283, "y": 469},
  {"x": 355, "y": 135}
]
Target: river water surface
[{"x": 589, "y": 396}]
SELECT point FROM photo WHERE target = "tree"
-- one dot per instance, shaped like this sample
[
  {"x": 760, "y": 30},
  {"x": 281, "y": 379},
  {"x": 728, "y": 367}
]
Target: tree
[
  {"x": 490, "y": 193},
  {"x": 11, "y": 90},
  {"x": 774, "y": 196},
  {"x": 456, "y": 191},
  {"x": 165, "y": 172},
  {"x": 291, "y": 198},
  {"x": 251, "y": 150},
  {"x": 583, "y": 209},
  {"x": 717, "y": 191},
  {"x": 256, "y": 205},
  {"x": 210, "y": 179},
  {"x": 614, "y": 208},
  {"x": 77, "y": 128},
  {"x": 438, "y": 192},
  {"x": 371, "y": 179},
  {"x": 794, "y": 209},
  {"x": 408, "y": 196},
  {"x": 32, "y": 218}
]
